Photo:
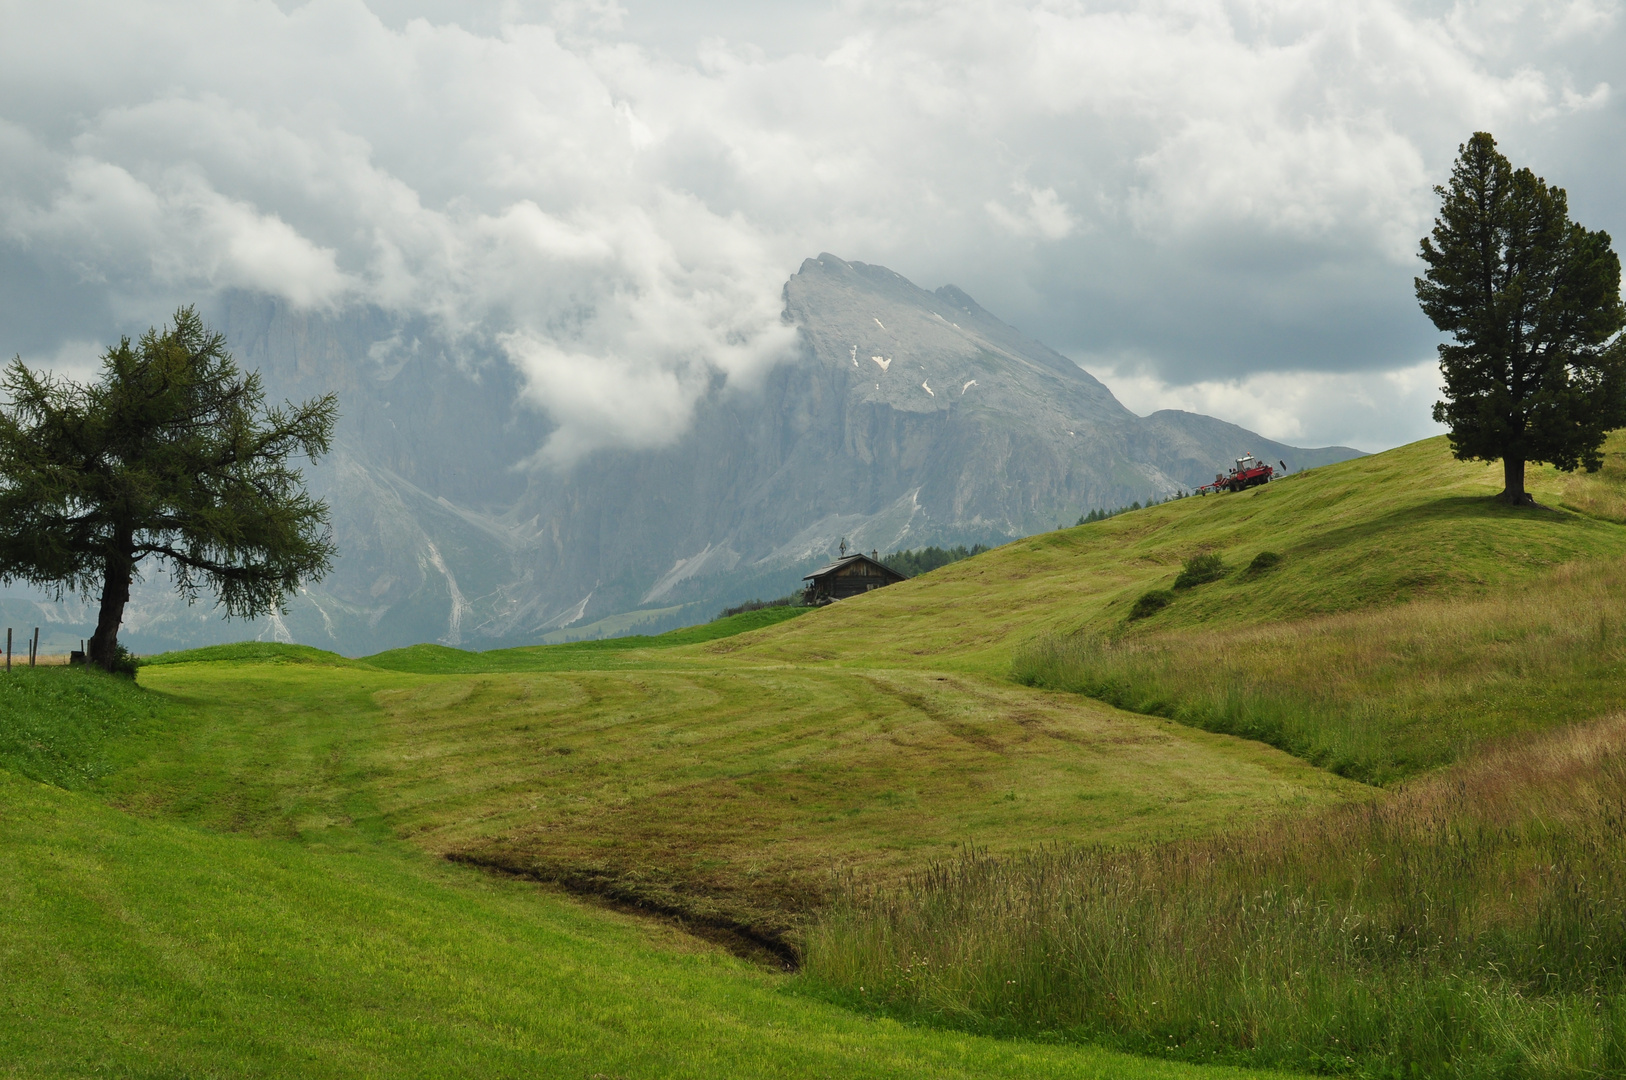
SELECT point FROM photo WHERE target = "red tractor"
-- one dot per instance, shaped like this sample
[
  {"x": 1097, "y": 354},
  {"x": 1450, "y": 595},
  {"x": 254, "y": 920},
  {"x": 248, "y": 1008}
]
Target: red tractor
[{"x": 1249, "y": 471}]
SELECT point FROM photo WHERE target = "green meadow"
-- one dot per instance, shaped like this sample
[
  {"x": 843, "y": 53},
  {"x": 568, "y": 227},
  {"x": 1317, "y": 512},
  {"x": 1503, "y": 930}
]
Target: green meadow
[
  {"x": 998, "y": 826},
  {"x": 149, "y": 948},
  {"x": 219, "y": 878}
]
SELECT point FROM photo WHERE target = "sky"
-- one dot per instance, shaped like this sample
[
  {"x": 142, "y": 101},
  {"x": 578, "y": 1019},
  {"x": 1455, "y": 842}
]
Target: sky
[{"x": 1209, "y": 205}]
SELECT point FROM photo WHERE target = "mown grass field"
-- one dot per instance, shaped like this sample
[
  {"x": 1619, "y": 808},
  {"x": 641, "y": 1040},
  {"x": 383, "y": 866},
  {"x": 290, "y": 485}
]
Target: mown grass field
[
  {"x": 196, "y": 891},
  {"x": 729, "y": 795},
  {"x": 738, "y": 777}
]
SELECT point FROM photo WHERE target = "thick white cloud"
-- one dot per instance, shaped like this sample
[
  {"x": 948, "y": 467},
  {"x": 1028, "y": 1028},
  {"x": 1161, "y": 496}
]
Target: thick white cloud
[
  {"x": 176, "y": 230},
  {"x": 1220, "y": 191}
]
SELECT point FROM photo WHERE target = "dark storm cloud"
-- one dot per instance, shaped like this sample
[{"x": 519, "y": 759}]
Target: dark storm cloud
[{"x": 1214, "y": 205}]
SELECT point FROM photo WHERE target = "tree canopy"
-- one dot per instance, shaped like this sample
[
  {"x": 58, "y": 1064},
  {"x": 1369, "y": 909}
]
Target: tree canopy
[
  {"x": 170, "y": 455},
  {"x": 1536, "y": 370}
]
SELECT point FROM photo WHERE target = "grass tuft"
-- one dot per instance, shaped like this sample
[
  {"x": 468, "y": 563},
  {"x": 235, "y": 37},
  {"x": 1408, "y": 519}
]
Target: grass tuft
[
  {"x": 1150, "y": 603},
  {"x": 1263, "y": 562},
  {"x": 1200, "y": 570}
]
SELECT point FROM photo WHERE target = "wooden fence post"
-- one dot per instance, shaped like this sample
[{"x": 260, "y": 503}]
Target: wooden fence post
[
  {"x": 8, "y": 650},
  {"x": 34, "y": 648}
]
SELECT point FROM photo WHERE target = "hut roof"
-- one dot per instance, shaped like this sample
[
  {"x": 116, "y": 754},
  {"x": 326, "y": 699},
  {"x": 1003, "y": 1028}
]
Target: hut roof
[{"x": 877, "y": 567}]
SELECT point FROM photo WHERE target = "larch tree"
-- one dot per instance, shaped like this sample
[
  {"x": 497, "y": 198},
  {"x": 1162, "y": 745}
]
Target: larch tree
[
  {"x": 170, "y": 455},
  {"x": 1536, "y": 369}
]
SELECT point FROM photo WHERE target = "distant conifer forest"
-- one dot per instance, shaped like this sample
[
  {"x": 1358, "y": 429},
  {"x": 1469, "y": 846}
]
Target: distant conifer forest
[{"x": 923, "y": 560}]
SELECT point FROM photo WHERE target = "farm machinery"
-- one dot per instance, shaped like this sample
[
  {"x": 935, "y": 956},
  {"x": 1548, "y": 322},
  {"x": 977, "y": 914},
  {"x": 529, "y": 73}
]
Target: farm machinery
[{"x": 1249, "y": 472}]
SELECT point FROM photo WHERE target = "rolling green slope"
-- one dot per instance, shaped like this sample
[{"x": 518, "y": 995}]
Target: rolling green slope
[
  {"x": 1377, "y": 695},
  {"x": 1469, "y": 925},
  {"x": 1406, "y": 524},
  {"x": 228, "y": 896},
  {"x": 1526, "y": 636},
  {"x": 723, "y": 793},
  {"x": 72, "y": 732},
  {"x": 1466, "y": 923},
  {"x": 140, "y": 948},
  {"x": 721, "y": 778},
  {"x": 262, "y": 865},
  {"x": 441, "y": 660}
]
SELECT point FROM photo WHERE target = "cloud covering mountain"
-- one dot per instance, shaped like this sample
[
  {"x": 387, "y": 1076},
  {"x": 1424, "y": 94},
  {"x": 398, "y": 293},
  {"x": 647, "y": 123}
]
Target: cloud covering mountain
[
  {"x": 899, "y": 418},
  {"x": 1213, "y": 204}
]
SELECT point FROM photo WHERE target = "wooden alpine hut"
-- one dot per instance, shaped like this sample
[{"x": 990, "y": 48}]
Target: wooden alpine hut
[{"x": 849, "y": 576}]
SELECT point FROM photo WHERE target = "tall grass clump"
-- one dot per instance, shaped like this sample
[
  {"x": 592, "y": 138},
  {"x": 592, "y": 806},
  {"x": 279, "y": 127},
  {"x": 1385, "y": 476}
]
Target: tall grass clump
[
  {"x": 1601, "y": 494},
  {"x": 1375, "y": 695},
  {"x": 1150, "y": 603},
  {"x": 1200, "y": 570},
  {"x": 1263, "y": 563},
  {"x": 1469, "y": 925}
]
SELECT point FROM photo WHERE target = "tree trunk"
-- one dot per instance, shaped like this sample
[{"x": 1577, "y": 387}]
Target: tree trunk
[
  {"x": 1513, "y": 483},
  {"x": 115, "y": 594}
]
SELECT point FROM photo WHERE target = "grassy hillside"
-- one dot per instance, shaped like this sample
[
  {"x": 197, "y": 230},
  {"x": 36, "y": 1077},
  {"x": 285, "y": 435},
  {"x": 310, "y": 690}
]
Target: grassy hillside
[
  {"x": 1388, "y": 689},
  {"x": 442, "y": 660},
  {"x": 720, "y": 771},
  {"x": 1469, "y": 924},
  {"x": 255, "y": 914},
  {"x": 1407, "y": 524},
  {"x": 72, "y": 732},
  {"x": 723, "y": 774},
  {"x": 1378, "y": 694},
  {"x": 142, "y": 948}
]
